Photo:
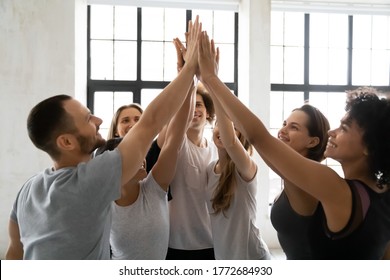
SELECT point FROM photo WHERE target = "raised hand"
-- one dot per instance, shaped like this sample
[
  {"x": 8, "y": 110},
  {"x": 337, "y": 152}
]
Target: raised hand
[
  {"x": 193, "y": 35},
  {"x": 181, "y": 51},
  {"x": 208, "y": 57}
]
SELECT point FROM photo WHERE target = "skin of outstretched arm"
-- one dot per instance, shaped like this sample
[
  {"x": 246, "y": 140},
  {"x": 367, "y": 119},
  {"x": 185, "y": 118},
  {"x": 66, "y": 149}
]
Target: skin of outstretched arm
[
  {"x": 181, "y": 52},
  {"x": 164, "y": 169},
  {"x": 320, "y": 181},
  {"x": 137, "y": 141},
  {"x": 245, "y": 165},
  {"x": 15, "y": 248}
]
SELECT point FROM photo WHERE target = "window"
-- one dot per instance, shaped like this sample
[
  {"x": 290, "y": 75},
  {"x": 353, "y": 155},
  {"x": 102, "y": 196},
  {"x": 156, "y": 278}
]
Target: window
[
  {"x": 316, "y": 57},
  {"x": 132, "y": 57}
]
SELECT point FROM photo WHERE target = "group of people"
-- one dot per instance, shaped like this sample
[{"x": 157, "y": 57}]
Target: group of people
[{"x": 159, "y": 189}]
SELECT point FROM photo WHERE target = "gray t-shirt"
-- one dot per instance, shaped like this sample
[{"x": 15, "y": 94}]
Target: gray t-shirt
[{"x": 66, "y": 213}]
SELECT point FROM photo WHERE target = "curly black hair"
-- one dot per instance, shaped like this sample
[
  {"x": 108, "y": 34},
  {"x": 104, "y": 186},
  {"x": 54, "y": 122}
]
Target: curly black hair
[{"x": 372, "y": 114}]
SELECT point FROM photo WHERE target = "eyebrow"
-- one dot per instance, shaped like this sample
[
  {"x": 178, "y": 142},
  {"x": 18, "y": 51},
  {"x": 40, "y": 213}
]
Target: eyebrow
[
  {"x": 347, "y": 121},
  {"x": 294, "y": 123},
  {"x": 88, "y": 115}
]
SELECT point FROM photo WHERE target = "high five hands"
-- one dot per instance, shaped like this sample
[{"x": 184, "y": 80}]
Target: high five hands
[{"x": 207, "y": 55}]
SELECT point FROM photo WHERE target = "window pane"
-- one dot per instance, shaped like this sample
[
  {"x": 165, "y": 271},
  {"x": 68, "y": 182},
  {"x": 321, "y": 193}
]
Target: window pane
[
  {"x": 276, "y": 71},
  {"x": 281, "y": 105},
  {"x": 361, "y": 67},
  {"x": 223, "y": 27},
  {"x": 338, "y": 31},
  {"x": 331, "y": 104},
  {"x": 294, "y": 29},
  {"x": 101, "y": 22},
  {"x": 152, "y": 27},
  {"x": 292, "y": 100},
  {"x": 106, "y": 104},
  {"x": 175, "y": 24},
  {"x": 103, "y": 108},
  {"x": 125, "y": 26},
  {"x": 293, "y": 67},
  {"x": 362, "y": 32},
  {"x": 152, "y": 61},
  {"x": 318, "y": 66},
  {"x": 320, "y": 101},
  {"x": 277, "y": 28},
  {"x": 170, "y": 60},
  {"x": 101, "y": 60},
  {"x": 380, "y": 32},
  {"x": 380, "y": 67},
  {"x": 226, "y": 63},
  {"x": 276, "y": 110},
  {"x": 125, "y": 64},
  {"x": 319, "y": 30},
  {"x": 122, "y": 98},
  {"x": 147, "y": 96},
  {"x": 207, "y": 18},
  {"x": 338, "y": 66}
]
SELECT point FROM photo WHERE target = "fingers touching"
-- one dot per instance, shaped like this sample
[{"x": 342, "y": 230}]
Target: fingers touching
[{"x": 200, "y": 51}]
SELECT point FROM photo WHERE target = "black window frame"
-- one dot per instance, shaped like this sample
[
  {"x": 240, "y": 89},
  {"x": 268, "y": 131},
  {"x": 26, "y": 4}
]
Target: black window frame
[{"x": 138, "y": 85}]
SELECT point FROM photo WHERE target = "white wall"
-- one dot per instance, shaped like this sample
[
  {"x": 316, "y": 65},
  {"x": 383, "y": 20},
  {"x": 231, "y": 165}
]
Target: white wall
[
  {"x": 254, "y": 88},
  {"x": 37, "y": 60},
  {"x": 43, "y": 53}
]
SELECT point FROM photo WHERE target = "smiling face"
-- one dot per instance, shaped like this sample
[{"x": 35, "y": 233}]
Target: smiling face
[
  {"x": 345, "y": 143},
  {"x": 200, "y": 114},
  {"x": 126, "y": 120},
  {"x": 296, "y": 134},
  {"x": 87, "y": 126}
]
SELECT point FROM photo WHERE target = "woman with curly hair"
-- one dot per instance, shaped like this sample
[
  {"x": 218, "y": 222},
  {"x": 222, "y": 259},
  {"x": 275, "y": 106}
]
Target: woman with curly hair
[{"x": 354, "y": 222}]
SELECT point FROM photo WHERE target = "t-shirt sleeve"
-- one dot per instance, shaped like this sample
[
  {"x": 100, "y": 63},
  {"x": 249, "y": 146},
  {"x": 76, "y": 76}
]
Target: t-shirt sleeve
[
  {"x": 102, "y": 174},
  {"x": 13, "y": 215}
]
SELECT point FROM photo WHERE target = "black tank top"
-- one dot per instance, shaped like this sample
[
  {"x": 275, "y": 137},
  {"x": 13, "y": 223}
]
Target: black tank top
[
  {"x": 292, "y": 229},
  {"x": 366, "y": 234}
]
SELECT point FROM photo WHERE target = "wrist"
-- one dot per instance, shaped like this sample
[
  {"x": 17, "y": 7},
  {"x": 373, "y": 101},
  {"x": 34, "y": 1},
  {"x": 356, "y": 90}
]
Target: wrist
[{"x": 209, "y": 78}]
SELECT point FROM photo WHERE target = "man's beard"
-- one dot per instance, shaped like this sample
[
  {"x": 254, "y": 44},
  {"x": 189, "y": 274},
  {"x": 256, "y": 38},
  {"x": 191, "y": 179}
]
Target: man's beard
[{"x": 87, "y": 145}]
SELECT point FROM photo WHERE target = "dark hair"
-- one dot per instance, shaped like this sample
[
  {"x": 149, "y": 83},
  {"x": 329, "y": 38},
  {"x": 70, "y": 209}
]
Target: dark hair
[
  {"x": 46, "y": 121},
  {"x": 112, "y": 131},
  {"x": 208, "y": 103},
  {"x": 372, "y": 115},
  {"x": 318, "y": 126}
]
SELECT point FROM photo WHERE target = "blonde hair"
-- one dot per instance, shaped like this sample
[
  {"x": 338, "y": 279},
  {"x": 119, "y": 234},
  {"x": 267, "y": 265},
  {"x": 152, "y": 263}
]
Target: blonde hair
[{"x": 112, "y": 131}]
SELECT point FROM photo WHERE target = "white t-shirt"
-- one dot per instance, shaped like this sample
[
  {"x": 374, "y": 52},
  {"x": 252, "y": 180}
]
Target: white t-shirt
[
  {"x": 140, "y": 231},
  {"x": 190, "y": 227},
  {"x": 235, "y": 235}
]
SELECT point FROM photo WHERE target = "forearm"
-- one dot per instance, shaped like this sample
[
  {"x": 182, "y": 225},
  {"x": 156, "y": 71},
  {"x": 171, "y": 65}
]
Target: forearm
[
  {"x": 226, "y": 128},
  {"x": 165, "y": 167},
  {"x": 178, "y": 125},
  {"x": 242, "y": 117},
  {"x": 167, "y": 103},
  {"x": 15, "y": 248}
]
